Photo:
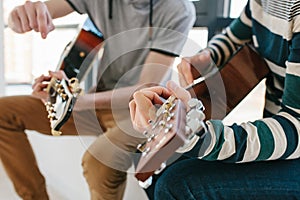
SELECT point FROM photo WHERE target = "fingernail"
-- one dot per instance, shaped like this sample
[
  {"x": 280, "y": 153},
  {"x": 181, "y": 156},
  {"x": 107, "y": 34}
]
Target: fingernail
[{"x": 44, "y": 35}]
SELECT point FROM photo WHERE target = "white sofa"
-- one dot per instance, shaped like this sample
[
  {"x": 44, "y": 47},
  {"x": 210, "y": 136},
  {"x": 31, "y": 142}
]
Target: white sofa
[{"x": 59, "y": 159}]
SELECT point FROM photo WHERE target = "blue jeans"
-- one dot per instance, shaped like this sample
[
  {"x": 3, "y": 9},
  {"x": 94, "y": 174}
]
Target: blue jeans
[{"x": 189, "y": 179}]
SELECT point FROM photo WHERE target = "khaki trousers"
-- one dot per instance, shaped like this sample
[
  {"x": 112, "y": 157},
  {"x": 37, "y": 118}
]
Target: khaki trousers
[{"x": 105, "y": 163}]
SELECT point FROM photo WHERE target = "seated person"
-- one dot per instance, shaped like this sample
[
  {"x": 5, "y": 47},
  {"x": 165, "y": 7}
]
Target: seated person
[
  {"x": 199, "y": 174},
  {"x": 138, "y": 50},
  {"x": 253, "y": 160}
]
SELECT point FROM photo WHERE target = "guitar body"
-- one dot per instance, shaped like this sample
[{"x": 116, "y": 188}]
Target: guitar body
[
  {"x": 76, "y": 60},
  {"x": 220, "y": 94},
  {"x": 80, "y": 53}
]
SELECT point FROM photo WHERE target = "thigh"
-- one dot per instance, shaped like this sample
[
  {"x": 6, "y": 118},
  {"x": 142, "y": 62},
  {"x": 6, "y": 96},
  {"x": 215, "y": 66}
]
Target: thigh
[
  {"x": 19, "y": 113},
  {"x": 117, "y": 146},
  {"x": 86, "y": 122},
  {"x": 23, "y": 112},
  {"x": 198, "y": 179}
]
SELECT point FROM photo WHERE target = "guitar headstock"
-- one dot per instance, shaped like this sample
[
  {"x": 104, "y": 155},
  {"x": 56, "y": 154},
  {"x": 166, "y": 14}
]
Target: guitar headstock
[
  {"x": 76, "y": 61},
  {"x": 62, "y": 97},
  {"x": 166, "y": 134}
]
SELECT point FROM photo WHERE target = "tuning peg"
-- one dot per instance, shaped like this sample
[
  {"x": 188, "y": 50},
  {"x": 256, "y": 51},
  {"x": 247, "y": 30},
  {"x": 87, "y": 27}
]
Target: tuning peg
[
  {"x": 195, "y": 103},
  {"x": 50, "y": 109},
  {"x": 170, "y": 116},
  {"x": 168, "y": 127},
  {"x": 195, "y": 114},
  {"x": 151, "y": 137},
  {"x": 64, "y": 96},
  {"x": 74, "y": 85},
  {"x": 162, "y": 123},
  {"x": 172, "y": 106},
  {"x": 56, "y": 133},
  {"x": 195, "y": 126},
  {"x": 168, "y": 105},
  {"x": 60, "y": 90},
  {"x": 51, "y": 116},
  {"x": 58, "y": 85},
  {"x": 48, "y": 103},
  {"x": 161, "y": 168},
  {"x": 145, "y": 133},
  {"x": 141, "y": 147},
  {"x": 195, "y": 119},
  {"x": 188, "y": 131},
  {"x": 146, "y": 151}
]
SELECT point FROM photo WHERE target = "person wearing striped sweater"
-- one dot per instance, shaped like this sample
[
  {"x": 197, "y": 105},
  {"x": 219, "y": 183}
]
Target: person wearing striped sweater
[{"x": 230, "y": 161}]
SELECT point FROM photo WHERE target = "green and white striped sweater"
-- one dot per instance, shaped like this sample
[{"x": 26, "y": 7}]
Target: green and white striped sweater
[{"x": 273, "y": 26}]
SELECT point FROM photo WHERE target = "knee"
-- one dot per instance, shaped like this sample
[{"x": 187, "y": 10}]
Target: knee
[
  {"x": 33, "y": 193},
  {"x": 174, "y": 182},
  {"x": 7, "y": 103},
  {"x": 98, "y": 174},
  {"x": 9, "y": 118},
  {"x": 5, "y": 106},
  {"x": 165, "y": 185},
  {"x": 12, "y": 110}
]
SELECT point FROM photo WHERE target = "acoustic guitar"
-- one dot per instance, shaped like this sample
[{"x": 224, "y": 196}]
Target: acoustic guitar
[
  {"x": 219, "y": 92},
  {"x": 75, "y": 61}
]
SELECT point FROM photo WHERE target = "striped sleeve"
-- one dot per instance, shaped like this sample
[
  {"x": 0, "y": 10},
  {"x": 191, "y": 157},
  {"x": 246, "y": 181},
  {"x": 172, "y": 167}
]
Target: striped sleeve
[
  {"x": 223, "y": 45},
  {"x": 266, "y": 139},
  {"x": 271, "y": 138}
]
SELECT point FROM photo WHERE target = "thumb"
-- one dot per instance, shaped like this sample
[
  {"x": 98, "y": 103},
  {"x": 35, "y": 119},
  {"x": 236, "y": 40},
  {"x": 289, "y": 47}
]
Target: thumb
[{"x": 58, "y": 74}]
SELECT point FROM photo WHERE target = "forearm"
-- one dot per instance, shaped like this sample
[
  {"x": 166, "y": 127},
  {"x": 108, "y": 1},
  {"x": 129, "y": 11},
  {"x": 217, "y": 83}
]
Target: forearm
[
  {"x": 114, "y": 99},
  {"x": 58, "y": 8},
  {"x": 154, "y": 70},
  {"x": 261, "y": 140},
  {"x": 111, "y": 99}
]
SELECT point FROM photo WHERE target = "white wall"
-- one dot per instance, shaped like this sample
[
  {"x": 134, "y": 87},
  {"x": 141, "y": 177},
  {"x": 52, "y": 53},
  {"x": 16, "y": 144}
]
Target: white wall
[{"x": 2, "y": 82}]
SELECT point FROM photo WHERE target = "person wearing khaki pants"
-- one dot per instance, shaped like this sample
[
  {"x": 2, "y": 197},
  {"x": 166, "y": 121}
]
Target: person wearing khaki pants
[
  {"x": 142, "y": 39},
  {"x": 25, "y": 112}
]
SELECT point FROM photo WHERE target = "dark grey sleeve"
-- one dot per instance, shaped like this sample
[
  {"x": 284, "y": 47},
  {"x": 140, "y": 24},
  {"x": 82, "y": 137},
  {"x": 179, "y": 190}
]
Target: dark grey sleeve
[
  {"x": 174, "y": 27},
  {"x": 79, "y": 5}
]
